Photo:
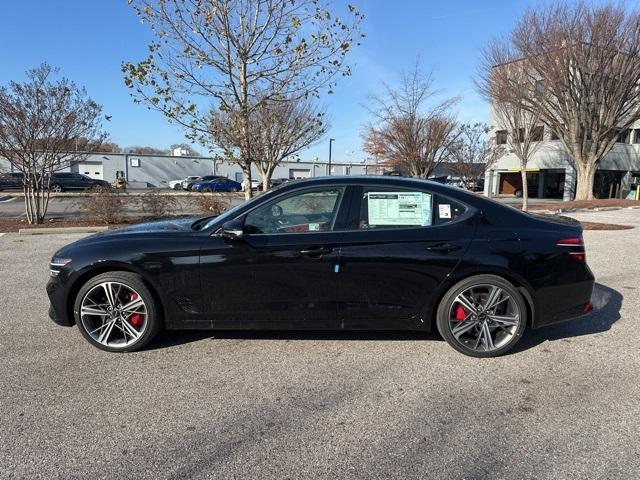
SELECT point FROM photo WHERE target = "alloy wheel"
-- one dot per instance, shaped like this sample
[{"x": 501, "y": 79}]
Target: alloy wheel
[
  {"x": 56, "y": 188},
  {"x": 113, "y": 314},
  {"x": 484, "y": 318}
]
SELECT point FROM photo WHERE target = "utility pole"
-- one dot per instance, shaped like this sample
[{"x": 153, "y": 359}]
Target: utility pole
[{"x": 331, "y": 140}]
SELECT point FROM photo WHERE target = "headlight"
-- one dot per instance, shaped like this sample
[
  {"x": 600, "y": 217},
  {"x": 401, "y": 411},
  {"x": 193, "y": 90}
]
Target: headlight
[{"x": 60, "y": 262}]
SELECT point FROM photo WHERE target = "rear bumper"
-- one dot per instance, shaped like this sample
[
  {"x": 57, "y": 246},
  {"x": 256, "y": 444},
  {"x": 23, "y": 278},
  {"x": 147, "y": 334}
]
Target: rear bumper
[
  {"x": 562, "y": 302},
  {"x": 58, "y": 311}
]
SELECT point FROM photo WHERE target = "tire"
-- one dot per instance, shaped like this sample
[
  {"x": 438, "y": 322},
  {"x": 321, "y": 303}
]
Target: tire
[
  {"x": 92, "y": 297},
  {"x": 517, "y": 194},
  {"x": 466, "y": 330},
  {"x": 205, "y": 190},
  {"x": 177, "y": 186},
  {"x": 56, "y": 188}
]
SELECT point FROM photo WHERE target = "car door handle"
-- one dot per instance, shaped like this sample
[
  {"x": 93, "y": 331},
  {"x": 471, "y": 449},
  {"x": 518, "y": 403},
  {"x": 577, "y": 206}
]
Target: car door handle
[
  {"x": 316, "y": 252},
  {"x": 443, "y": 247}
]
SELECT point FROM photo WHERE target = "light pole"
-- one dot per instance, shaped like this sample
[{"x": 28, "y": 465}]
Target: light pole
[{"x": 331, "y": 140}]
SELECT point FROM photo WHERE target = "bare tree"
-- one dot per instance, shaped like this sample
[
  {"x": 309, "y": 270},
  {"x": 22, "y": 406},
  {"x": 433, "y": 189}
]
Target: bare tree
[
  {"x": 284, "y": 128},
  {"x": 46, "y": 125},
  {"x": 585, "y": 61},
  {"x": 474, "y": 152},
  {"x": 515, "y": 97},
  {"x": 145, "y": 150},
  {"x": 410, "y": 133},
  {"x": 237, "y": 55}
]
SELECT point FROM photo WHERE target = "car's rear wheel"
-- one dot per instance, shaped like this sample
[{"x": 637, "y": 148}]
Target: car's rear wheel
[
  {"x": 482, "y": 316},
  {"x": 205, "y": 190},
  {"x": 115, "y": 311}
]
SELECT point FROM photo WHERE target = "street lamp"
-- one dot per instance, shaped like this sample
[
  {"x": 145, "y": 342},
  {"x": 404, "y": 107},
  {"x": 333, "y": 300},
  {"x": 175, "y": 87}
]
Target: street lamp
[{"x": 331, "y": 140}]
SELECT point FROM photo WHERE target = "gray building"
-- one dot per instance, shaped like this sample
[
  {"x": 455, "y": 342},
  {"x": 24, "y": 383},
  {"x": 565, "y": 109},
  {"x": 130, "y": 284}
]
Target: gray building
[{"x": 156, "y": 171}]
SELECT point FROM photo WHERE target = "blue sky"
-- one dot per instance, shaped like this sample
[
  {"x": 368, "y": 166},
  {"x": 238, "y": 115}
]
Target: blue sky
[{"x": 88, "y": 40}]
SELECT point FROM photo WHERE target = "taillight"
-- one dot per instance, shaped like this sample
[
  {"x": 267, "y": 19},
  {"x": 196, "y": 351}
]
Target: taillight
[
  {"x": 570, "y": 242},
  {"x": 576, "y": 245}
]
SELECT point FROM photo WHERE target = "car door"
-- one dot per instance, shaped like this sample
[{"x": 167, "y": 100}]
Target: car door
[
  {"x": 402, "y": 245},
  {"x": 281, "y": 273}
]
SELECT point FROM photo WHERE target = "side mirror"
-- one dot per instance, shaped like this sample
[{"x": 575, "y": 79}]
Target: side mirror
[{"x": 231, "y": 231}]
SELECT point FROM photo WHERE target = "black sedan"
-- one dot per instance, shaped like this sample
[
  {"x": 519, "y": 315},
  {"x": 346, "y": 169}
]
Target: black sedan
[
  {"x": 331, "y": 253},
  {"x": 62, "y": 181}
]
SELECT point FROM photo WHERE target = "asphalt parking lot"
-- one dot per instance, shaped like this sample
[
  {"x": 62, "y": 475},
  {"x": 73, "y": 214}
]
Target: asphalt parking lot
[{"x": 565, "y": 404}]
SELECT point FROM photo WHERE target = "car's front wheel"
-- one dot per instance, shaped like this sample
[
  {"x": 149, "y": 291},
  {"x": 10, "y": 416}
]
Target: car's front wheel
[
  {"x": 177, "y": 186},
  {"x": 482, "y": 316},
  {"x": 56, "y": 188},
  {"x": 115, "y": 311}
]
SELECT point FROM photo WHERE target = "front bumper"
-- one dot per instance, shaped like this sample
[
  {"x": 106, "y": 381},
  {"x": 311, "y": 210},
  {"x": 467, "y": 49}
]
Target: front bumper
[{"x": 58, "y": 311}]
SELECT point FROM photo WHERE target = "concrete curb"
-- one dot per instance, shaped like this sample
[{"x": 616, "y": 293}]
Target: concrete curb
[
  {"x": 585, "y": 210},
  {"x": 60, "y": 230}
]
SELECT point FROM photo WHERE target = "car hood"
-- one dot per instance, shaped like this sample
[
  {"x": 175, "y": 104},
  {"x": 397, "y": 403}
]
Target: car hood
[
  {"x": 139, "y": 231},
  {"x": 160, "y": 226}
]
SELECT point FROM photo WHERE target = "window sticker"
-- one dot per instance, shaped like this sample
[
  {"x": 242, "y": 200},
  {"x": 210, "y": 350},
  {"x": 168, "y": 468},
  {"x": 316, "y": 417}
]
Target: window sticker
[
  {"x": 399, "y": 208},
  {"x": 444, "y": 210},
  {"x": 314, "y": 227}
]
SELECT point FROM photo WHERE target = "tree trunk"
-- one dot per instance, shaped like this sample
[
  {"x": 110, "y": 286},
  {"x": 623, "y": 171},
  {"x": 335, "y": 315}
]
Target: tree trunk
[
  {"x": 246, "y": 182},
  {"x": 265, "y": 180},
  {"x": 267, "y": 173},
  {"x": 525, "y": 189},
  {"x": 585, "y": 174}
]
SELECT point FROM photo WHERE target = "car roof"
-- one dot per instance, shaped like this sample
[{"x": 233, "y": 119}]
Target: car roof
[{"x": 473, "y": 199}]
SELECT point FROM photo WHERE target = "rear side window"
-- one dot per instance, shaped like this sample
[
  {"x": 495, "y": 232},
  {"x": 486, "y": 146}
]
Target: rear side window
[
  {"x": 394, "y": 208},
  {"x": 388, "y": 208},
  {"x": 446, "y": 210}
]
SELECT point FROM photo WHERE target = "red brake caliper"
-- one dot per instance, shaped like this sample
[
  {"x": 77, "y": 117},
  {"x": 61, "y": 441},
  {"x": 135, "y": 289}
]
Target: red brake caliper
[
  {"x": 460, "y": 313},
  {"x": 135, "y": 319}
]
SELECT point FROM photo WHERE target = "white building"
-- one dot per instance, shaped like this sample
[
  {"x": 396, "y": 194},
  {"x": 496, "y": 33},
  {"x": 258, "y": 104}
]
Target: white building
[{"x": 551, "y": 173}]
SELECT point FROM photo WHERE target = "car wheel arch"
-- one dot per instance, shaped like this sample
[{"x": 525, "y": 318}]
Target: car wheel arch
[
  {"x": 92, "y": 272},
  {"x": 521, "y": 285}
]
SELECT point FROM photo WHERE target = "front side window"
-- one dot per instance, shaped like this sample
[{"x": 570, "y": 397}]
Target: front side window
[
  {"x": 310, "y": 211},
  {"x": 394, "y": 208}
]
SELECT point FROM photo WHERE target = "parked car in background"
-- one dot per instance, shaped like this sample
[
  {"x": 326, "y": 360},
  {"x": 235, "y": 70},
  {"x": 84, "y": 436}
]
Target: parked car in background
[
  {"x": 217, "y": 185},
  {"x": 274, "y": 182},
  {"x": 11, "y": 181},
  {"x": 177, "y": 184},
  {"x": 62, "y": 181},
  {"x": 188, "y": 184},
  {"x": 254, "y": 185},
  {"x": 338, "y": 253}
]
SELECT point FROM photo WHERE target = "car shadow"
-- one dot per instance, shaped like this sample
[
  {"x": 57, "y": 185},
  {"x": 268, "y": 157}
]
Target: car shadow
[
  {"x": 179, "y": 337},
  {"x": 607, "y": 304}
]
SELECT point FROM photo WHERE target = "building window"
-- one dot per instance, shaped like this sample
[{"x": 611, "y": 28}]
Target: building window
[
  {"x": 537, "y": 134},
  {"x": 636, "y": 135},
  {"x": 501, "y": 137},
  {"x": 519, "y": 136},
  {"x": 624, "y": 136}
]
